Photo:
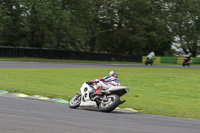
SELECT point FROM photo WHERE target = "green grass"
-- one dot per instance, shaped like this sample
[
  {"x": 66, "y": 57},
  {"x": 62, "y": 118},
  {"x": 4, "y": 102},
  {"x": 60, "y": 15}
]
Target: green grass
[{"x": 160, "y": 91}]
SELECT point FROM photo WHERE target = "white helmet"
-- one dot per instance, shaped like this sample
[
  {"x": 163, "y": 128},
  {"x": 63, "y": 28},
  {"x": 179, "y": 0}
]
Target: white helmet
[
  {"x": 152, "y": 53},
  {"x": 113, "y": 73}
]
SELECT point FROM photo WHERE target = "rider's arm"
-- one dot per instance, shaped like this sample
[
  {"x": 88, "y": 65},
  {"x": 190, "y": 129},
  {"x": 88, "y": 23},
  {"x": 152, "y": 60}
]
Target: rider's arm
[
  {"x": 102, "y": 79},
  {"x": 97, "y": 80}
]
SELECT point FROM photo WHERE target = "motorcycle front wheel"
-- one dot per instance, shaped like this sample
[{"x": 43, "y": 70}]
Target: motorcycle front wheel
[
  {"x": 188, "y": 64},
  {"x": 75, "y": 102},
  {"x": 110, "y": 104}
]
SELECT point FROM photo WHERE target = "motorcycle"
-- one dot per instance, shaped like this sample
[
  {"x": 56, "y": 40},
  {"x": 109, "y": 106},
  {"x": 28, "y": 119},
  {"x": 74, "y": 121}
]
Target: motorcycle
[
  {"x": 107, "y": 101},
  {"x": 148, "y": 61},
  {"x": 186, "y": 62}
]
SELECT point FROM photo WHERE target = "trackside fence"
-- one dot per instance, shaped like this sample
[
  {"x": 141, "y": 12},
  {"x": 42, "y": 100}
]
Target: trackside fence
[
  {"x": 64, "y": 54},
  {"x": 76, "y": 55}
]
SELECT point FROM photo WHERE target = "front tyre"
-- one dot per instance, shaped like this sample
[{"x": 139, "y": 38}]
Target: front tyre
[
  {"x": 75, "y": 101},
  {"x": 183, "y": 64},
  {"x": 110, "y": 104}
]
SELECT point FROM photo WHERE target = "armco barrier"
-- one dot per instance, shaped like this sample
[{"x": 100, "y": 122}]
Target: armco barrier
[
  {"x": 156, "y": 61},
  {"x": 172, "y": 60},
  {"x": 180, "y": 60},
  {"x": 195, "y": 60}
]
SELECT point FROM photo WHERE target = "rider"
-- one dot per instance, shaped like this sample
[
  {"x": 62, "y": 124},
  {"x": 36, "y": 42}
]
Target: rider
[
  {"x": 188, "y": 56},
  {"x": 151, "y": 56},
  {"x": 105, "y": 83}
]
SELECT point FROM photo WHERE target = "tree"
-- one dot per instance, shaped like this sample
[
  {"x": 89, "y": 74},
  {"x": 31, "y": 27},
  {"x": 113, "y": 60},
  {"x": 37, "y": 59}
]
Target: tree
[
  {"x": 139, "y": 27},
  {"x": 48, "y": 23},
  {"x": 84, "y": 23},
  {"x": 12, "y": 28},
  {"x": 108, "y": 26},
  {"x": 185, "y": 24}
]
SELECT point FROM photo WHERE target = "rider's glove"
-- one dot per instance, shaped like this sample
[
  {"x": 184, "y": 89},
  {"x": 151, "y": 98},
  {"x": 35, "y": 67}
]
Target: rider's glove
[
  {"x": 89, "y": 82},
  {"x": 95, "y": 81}
]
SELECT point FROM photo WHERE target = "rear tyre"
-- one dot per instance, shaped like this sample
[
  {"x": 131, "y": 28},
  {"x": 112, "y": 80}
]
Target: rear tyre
[
  {"x": 112, "y": 102},
  {"x": 183, "y": 64},
  {"x": 75, "y": 101}
]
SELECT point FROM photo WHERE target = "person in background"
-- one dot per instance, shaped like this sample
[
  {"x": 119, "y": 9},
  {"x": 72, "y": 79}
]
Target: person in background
[
  {"x": 151, "y": 56},
  {"x": 188, "y": 56}
]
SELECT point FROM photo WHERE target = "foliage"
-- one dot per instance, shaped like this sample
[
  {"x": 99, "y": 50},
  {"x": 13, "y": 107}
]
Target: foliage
[
  {"x": 109, "y": 26},
  {"x": 184, "y": 21}
]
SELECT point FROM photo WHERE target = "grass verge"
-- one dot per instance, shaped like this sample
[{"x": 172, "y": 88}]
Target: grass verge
[
  {"x": 82, "y": 61},
  {"x": 160, "y": 91}
]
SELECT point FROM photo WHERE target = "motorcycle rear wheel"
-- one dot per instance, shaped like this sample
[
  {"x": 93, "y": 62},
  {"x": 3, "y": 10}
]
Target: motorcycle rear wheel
[
  {"x": 183, "y": 64},
  {"x": 111, "y": 104},
  {"x": 75, "y": 102}
]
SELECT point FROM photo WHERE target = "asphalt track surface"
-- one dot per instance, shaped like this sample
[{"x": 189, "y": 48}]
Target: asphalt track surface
[
  {"x": 7, "y": 64},
  {"x": 18, "y": 115}
]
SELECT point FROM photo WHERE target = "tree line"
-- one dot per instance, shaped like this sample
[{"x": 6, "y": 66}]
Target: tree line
[{"x": 132, "y": 27}]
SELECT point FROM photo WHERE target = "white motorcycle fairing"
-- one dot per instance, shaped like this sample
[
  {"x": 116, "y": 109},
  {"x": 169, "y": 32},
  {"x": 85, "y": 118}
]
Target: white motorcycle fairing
[
  {"x": 107, "y": 101},
  {"x": 85, "y": 99},
  {"x": 86, "y": 89}
]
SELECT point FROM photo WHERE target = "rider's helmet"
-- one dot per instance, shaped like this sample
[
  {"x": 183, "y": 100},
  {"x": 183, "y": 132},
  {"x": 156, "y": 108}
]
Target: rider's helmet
[
  {"x": 188, "y": 55},
  {"x": 113, "y": 73},
  {"x": 152, "y": 53}
]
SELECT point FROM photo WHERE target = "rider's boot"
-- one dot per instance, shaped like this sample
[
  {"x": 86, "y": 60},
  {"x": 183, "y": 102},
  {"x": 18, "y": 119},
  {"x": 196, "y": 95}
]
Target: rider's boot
[
  {"x": 78, "y": 94},
  {"x": 96, "y": 95}
]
